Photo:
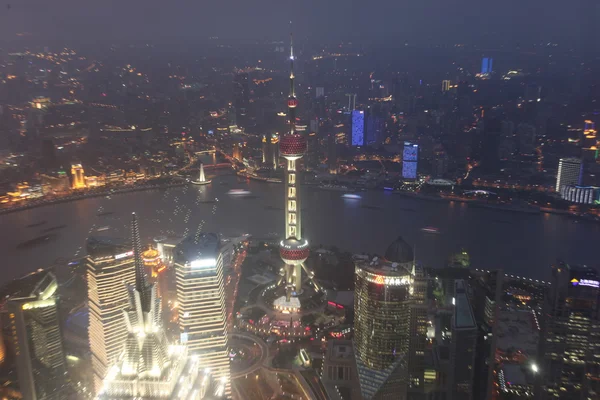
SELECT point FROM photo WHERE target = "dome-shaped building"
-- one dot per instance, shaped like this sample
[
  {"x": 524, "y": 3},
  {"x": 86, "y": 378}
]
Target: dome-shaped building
[{"x": 400, "y": 252}]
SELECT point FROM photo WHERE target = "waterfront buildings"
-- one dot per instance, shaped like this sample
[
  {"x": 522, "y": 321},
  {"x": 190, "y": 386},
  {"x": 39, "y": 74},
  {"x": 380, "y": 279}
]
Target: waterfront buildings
[
  {"x": 581, "y": 194},
  {"x": 390, "y": 324},
  {"x": 78, "y": 176},
  {"x": 110, "y": 266},
  {"x": 201, "y": 297},
  {"x": 570, "y": 171},
  {"x": 149, "y": 367},
  {"x": 570, "y": 334},
  {"x": 37, "y": 340}
]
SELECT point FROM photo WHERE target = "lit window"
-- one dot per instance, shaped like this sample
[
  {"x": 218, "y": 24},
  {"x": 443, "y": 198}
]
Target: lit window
[
  {"x": 292, "y": 205},
  {"x": 292, "y": 192},
  {"x": 292, "y": 179}
]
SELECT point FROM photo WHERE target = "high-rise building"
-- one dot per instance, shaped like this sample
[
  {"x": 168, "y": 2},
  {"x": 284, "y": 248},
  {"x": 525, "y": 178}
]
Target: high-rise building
[
  {"x": 358, "y": 128},
  {"x": 293, "y": 249},
  {"x": 374, "y": 129},
  {"x": 332, "y": 157},
  {"x": 570, "y": 171},
  {"x": 410, "y": 157},
  {"x": 486, "y": 65},
  {"x": 78, "y": 176},
  {"x": 110, "y": 265},
  {"x": 201, "y": 297},
  {"x": 446, "y": 85},
  {"x": 462, "y": 348},
  {"x": 241, "y": 98},
  {"x": 319, "y": 91},
  {"x": 390, "y": 322},
  {"x": 148, "y": 367},
  {"x": 37, "y": 340},
  {"x": 526, "y": 134},
  {"x": 569, "y": 368}
]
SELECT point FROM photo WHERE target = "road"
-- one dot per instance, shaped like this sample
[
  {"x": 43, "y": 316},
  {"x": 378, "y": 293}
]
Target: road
[{"x": 264, "y": 356}]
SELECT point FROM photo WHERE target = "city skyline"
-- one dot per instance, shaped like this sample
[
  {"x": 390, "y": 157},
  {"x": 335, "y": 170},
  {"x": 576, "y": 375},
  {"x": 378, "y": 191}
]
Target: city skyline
[{"x": 395, "y": 204}]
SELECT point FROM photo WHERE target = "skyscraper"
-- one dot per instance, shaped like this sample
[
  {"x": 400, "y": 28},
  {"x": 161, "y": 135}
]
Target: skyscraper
[
  {"x": 110, "y": 265},
  {"x": 358, "y": 128},
  {"x": 486, "y": 65},
  {"x": 40, "y": 357},
  {"x": 148, "y": 367},
  {"x": 462, "y": 348},
  {"x": 569, "y": 344},
  {"x": 410, "y": 157},
  {"x": 201, "y": 297},
  {"x": 241, "y": 98},
  {"x": 294, "y": 249},
  {"x": 569, "y": 173},
  {"x": 389, "y": 326}
]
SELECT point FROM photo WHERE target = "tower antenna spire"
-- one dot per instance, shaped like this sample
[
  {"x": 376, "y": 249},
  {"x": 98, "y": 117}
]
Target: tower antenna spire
[
  {"x": 292, "y": 101},
  {"x": 140, "y": 274}
]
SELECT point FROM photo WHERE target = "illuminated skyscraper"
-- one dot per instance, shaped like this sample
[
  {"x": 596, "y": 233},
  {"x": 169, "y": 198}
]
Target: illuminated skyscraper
[
  {"x": 486, "y": 65},
  {"x": 446, "y": 85},
  {"x": 110, "y": 266},
  {"x": 358, "y": 128},
  {"x": 294, "y": 249},
  {"x": 389, "y": 324},
  {"x": 148, "y": 367},
  {"x": 40, "y": 358},
  {"x": 410, "y": 157},
  {"x": 201, "y": 298},
  {"x": 78, "y": 176},
  {"x": 569, "y": 173},
  {"x": 569, "y": 343}
]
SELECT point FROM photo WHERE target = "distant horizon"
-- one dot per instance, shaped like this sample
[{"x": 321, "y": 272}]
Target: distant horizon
[{"x": 429, "y": 21}]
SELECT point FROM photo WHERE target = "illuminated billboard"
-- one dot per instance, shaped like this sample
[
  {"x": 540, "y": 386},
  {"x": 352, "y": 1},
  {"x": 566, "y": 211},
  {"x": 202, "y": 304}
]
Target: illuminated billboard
[
  {"x": 123, "y": 255},
  {"x": 585, "y": 282},
  {"x": 204, "y": 263}
]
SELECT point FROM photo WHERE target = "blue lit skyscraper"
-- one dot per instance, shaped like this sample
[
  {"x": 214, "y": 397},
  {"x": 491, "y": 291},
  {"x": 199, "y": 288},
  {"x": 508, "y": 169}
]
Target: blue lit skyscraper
[
  {"x": 358, "y": 128},
  {"x": 486, "y": 65},
  {"x": 410, "y": 158}
]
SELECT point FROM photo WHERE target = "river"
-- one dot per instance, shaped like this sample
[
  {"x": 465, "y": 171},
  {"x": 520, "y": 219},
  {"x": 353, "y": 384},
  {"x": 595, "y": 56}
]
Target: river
[{"x": 520, "y": 243}]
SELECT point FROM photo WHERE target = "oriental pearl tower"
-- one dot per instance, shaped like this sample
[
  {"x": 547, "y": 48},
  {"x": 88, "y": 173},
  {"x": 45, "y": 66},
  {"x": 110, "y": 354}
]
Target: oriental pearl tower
[{"x": 293, "y": 249}]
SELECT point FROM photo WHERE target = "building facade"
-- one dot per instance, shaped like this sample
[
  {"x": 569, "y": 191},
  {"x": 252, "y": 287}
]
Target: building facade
[
  {"x": 570, "y": 171},
  {"x": 149, "y": 367},
  {"x": 201, "y": 297},
  {"x": 35, "y": 325},
  {"x": 571, "y": 334},
  {"x": 463, "y": 345},
  {"x": 389, "y": 325},
  {"x": 110, "y": 265}
]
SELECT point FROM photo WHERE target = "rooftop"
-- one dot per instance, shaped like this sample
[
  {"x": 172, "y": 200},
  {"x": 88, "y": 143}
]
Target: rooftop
[
  {"x": 191, "y": 248},
  {"x": 105, "y": 246},
  {"x": 380, "y": 266},
  {"x": 400, "y": 252},
  {"x": 463, "y": 313},
  {"x": 30, "y": 285}
]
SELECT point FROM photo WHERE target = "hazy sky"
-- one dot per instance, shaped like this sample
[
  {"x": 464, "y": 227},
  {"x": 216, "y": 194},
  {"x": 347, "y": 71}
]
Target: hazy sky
[{"x": 416, "y": 20}]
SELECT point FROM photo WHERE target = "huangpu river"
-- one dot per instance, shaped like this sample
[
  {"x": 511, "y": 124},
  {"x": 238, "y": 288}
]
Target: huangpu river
[{"x": 522, "y": 244}]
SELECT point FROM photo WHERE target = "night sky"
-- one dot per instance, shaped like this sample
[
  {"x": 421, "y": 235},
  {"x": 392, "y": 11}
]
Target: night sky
[{"x": 421, "y": 21}]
